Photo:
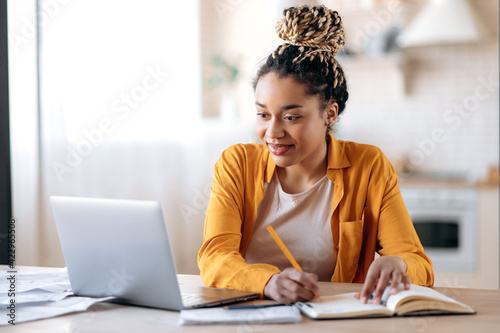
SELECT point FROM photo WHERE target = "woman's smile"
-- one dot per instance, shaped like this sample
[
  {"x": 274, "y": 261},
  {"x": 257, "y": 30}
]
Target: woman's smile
[{"x": 279, "y": 149}]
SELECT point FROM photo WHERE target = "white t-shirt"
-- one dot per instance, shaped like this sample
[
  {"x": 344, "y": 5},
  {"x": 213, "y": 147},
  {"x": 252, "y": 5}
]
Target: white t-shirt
[{"x": 302, "y": 221}]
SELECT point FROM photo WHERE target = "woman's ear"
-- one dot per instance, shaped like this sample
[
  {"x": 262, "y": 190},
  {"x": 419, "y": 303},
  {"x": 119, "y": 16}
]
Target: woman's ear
[{"x": 331, "y": 114}]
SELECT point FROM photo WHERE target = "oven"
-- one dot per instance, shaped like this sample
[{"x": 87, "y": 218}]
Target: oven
[{"x": 446, "y": 222}]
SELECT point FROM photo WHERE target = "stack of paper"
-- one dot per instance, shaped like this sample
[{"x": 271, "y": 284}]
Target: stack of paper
[{"x": 30, "y": 295}]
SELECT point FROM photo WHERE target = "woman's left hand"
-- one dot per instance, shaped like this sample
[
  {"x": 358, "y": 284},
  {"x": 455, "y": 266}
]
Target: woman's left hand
[{"x": 383, "y": 271}]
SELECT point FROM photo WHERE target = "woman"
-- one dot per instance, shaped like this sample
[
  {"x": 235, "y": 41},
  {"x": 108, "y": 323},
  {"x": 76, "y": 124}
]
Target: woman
[{"x": 333, "y": 203}]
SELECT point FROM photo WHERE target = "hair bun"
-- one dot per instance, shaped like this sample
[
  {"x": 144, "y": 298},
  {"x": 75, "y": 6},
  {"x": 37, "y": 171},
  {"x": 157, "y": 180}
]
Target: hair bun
[{"x": 317, "y": 27}]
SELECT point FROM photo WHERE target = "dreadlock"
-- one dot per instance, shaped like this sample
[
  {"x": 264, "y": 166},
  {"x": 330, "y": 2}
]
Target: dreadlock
[{"x": 313, "y": 36}]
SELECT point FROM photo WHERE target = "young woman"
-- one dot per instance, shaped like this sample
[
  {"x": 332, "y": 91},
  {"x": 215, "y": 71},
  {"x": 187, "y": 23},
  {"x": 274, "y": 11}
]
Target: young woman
[{"x": 334, "y": 203}]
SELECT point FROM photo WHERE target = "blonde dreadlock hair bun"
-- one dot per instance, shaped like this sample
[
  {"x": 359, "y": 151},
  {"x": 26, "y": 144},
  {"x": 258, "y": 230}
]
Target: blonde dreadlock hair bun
[
  {"x": 313, "y": 36},
  {"x": 316, "y": 27},
  {"x": 318, "y": 31}
]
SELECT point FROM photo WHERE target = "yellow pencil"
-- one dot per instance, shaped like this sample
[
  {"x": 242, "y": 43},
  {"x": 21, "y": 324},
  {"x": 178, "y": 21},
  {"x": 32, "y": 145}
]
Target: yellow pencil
[
  {"x": 283, "y": 248},
  {"x": 287, "y": 253}
]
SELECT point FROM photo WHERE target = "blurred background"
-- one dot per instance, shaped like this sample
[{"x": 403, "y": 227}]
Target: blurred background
[{"x": 137, "y": 99}]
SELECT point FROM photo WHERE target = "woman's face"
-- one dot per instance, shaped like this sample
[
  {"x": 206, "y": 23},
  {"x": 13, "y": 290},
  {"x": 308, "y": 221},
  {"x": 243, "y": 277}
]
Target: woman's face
[{"x": 290, "y": 122}]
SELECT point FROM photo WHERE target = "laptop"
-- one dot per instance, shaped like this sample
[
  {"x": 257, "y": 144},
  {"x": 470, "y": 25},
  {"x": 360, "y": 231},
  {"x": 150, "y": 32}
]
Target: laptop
[{"x": 121, "y": 248}]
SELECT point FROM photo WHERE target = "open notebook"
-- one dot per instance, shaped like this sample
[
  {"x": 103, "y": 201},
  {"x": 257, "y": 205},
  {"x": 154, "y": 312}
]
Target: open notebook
[{"x": 416, "y": 301}]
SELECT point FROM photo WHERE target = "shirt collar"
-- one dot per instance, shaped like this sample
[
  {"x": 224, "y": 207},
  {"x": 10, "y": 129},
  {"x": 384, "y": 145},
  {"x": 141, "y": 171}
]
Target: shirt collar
[{"x": 336, "y": 155}]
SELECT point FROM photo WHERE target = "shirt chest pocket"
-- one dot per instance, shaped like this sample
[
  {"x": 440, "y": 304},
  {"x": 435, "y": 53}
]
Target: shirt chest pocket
[{"x": 350, "y": 244}]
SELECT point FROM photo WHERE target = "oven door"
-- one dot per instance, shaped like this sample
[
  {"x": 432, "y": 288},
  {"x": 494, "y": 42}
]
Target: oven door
[
  {"x": 446, "y": 222},
  {"x": 448, "y": 238}
]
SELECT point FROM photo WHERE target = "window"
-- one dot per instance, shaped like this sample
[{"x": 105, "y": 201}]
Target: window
[{"x": 118, "y": 69}]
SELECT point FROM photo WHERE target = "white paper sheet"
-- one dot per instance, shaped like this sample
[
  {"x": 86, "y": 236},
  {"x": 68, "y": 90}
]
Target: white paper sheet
[
  {"x": 269, "y": 315},
  {"x": 40, "y": 310},
  {"x": 36, "y": 295},
  {"x": 32, "y": 279}
]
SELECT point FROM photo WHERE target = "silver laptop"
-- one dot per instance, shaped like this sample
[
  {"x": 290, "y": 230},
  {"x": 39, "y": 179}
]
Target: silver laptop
[{"x": 121, "y": 248}]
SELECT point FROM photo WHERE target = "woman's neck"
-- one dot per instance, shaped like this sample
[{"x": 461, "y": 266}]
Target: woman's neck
[{"x": 298, "y": 178}]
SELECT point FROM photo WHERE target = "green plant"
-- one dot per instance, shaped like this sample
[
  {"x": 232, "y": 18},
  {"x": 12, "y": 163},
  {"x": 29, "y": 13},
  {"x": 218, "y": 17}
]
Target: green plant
[{"x": 225, "y": 72}]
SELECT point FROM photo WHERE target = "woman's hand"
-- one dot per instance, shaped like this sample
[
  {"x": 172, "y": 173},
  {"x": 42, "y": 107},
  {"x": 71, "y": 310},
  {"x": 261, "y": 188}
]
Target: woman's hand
[
  {"x": 383, "y": 271},
  {"x": 292, "y": 286}
]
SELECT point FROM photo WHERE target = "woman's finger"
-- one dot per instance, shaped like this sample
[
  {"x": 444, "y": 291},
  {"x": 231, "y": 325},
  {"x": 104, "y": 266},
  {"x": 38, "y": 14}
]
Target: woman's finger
[
  {"x": 306, "y": 280},
  {"x": 382, "y": 284},
  {"x": 395, "y": 281},
  {"x": 368, "y": 288}
]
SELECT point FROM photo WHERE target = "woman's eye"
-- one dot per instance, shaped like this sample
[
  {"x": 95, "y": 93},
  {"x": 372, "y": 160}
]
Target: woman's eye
[
  {"x": 261, "y": 115},
  {"x": 291, "y": 118}
]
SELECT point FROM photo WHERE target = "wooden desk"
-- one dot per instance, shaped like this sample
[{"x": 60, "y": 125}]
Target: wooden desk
[{"x": 104, "y": 317}]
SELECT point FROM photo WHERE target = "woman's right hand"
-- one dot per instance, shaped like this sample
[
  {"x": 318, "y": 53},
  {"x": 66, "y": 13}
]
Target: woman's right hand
[{"x": 292, "y": 286}]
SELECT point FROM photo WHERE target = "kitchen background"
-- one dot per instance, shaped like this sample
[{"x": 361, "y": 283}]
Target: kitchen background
[
  {"x": 398, "y": 97},
  {"x": 141, "y": 108},
  {"x": 423, "y": 80}
]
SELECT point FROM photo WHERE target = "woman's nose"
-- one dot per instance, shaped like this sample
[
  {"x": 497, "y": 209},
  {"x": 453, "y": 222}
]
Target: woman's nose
[{"x": 275, "y": 129}]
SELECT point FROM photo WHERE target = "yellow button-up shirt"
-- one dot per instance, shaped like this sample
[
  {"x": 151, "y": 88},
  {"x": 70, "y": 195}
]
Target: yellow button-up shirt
[{"x": 368, "y": 216}]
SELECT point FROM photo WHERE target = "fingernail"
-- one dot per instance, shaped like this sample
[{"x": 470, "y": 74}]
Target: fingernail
[
  {"x": 393, "y": 291},
  {"x": 364, "y": 300}
]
